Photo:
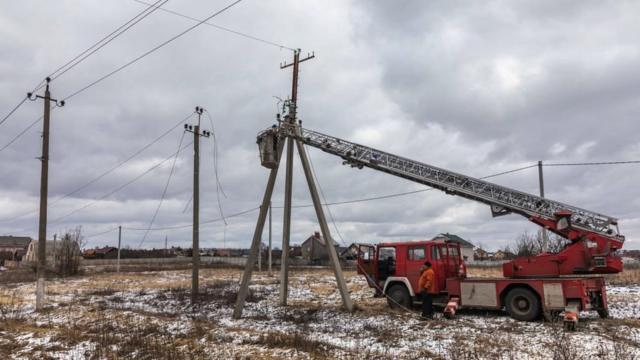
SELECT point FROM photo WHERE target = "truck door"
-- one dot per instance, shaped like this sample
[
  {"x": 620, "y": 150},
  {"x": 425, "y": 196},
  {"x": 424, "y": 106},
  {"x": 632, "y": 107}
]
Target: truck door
[
  {"x": 416, "y": 256},
  {"x": 366, "y": 260},
  {"x": 438, "y": 263},
  {"x": 454, "y": 260}
]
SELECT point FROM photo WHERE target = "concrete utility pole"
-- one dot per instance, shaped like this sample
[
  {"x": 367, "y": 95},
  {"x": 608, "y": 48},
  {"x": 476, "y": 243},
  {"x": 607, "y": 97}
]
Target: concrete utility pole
[
  {"x": 44, "y": 189},
  {"x": 270, "y": 248},
  {"x": 119, "y": 244},
  {"x": 545, "y": 236},
  {"x": 195, "y": 256},
  {"x": 260, "y": 256},
  {"x": 55, "y": 238},
  {"x": 166, "y": 249},
  {"x": 290, "y": 125}
]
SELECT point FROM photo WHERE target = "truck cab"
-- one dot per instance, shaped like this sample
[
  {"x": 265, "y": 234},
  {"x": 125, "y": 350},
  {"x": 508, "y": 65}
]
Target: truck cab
[{"x": 394, "y": 268}]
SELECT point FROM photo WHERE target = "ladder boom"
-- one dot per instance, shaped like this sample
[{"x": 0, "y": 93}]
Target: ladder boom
[{"x": 502, "y": 200}]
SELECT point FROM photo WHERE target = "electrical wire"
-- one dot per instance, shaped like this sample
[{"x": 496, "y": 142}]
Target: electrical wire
[
  {"x": 90, "y": 51},
  {"x": 106, "y": 40},
  {"x": 13, "y": 110},
  {"x": 100, "y": 233},
  {"x": 401, "y": 193},
  {"x": 105, "y": 173},
  {"x": 120, "y": 164},
  {"x": 164, "y": 192},
  {"x": 215, "y": 167},
  {"x": 19, "y": 135},
  {"x": 190, "y": 225},
  {"x": 597, "y": 163},
  {"x": 121, "y": 186},
  {"x": 335, "y": 225},
  {"x": 268, "y": 42},
  {"x": 157, "y": 47}
]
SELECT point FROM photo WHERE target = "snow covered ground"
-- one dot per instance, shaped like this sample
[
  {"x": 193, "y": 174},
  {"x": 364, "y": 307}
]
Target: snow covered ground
[{"x": 148, "y": 315}]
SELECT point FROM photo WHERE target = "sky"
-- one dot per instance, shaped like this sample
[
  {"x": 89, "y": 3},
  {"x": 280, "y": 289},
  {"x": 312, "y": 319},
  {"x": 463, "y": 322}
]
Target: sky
[{"x": 474, "y": 87}]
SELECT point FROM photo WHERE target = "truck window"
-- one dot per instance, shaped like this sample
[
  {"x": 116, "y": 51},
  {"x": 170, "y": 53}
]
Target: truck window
[
  {"x": 386, "y": 262},
  {"x": 453, "y": 252},
  {"x": 417, "y": 253},
  {"x": 367, "y": 255},
  {"x": 435, "y": 253}
]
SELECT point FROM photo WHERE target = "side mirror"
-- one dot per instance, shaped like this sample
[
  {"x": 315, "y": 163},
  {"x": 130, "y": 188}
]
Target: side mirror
[{"x": 563, "y": 223}]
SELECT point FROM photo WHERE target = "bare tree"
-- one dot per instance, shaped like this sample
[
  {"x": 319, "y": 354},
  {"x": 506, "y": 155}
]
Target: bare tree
[
  {"x": 532, "y": 244},
  {"x": 68, "y": 253}
]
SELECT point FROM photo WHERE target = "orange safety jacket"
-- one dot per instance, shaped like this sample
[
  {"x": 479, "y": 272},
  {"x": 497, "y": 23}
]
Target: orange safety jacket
[{"x": 428, "y": 281}]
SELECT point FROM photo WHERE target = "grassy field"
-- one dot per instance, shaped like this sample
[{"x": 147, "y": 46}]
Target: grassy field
[{"x": 148, "y": 315}]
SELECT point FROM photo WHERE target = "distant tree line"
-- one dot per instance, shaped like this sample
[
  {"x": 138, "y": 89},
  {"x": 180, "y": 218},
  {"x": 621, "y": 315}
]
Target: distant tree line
[{"x": 532, "y": 244}]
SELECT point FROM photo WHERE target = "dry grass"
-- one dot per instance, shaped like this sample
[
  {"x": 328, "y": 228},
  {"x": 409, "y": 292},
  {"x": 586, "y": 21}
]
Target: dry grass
[
  {"x": 484, "y": 271},
  {"x": 627, "y": 277}
]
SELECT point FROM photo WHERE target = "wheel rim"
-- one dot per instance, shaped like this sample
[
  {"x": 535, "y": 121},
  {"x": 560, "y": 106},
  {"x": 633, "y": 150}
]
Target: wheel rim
[
  {"x": 521, "y": 304},
  {"x": 398, "y": 296}
]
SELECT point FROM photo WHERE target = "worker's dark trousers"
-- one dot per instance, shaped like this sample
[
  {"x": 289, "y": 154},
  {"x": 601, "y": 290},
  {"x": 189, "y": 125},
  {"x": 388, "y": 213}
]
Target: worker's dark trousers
[{"x": 427, "y": 304}]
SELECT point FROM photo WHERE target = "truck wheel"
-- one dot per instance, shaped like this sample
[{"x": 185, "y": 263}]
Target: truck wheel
[
  {"x": 604, "y": 313},
  {"x": 398, "y": 297},
  {"x": 522, "y": 304}
]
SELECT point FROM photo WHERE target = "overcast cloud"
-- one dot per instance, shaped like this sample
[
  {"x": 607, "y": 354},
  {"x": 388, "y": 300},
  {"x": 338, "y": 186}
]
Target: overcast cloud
[{"x": 474, "y": 87}]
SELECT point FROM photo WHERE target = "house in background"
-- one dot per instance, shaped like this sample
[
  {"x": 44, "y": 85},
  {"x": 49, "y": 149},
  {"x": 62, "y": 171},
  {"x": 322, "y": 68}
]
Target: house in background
[
  {"x": 503, "y": 255},
  {"x": 350, "y": 252},
  {"x": 466, "y": 248},
  {"x": 13, "y": 248},
  {"x": 31, "y": 257},
  {"x": 481, "y": 254},
  {"x": 314, "y": 249},
  {"x": 107, "y": 252}
]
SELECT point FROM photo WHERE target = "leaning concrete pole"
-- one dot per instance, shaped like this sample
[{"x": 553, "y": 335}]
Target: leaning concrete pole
[
  {"x": 328, "y": 241},
  {"x": 286, "y": 227},
  {"x": 257, "y": 235}
]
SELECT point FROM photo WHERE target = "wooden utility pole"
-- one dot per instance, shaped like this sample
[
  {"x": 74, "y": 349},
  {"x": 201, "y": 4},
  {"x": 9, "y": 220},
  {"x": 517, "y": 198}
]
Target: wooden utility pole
[
  {"x": 288, "y": 127},
  {"x": 119, "y": 244},
  {"x": 195, "y": 256},
  {"x": 545, "y": 236},
  {"x": 44, "y": 189}
]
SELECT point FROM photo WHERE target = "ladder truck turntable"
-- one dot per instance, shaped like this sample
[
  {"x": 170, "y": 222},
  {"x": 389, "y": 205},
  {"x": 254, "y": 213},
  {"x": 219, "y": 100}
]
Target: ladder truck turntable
[{"x": 570, "y": 280}]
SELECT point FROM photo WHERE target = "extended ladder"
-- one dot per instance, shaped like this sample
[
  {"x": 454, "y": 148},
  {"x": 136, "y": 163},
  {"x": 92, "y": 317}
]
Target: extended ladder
[{"x": 502, "y": 200}]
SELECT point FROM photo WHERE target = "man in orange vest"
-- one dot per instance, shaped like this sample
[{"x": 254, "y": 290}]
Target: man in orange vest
[{"x": 427, "y": 285}]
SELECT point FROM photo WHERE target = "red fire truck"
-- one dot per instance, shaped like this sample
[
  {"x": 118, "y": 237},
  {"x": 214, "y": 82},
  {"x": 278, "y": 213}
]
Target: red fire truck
[
  {"x": 570, "y": 280},
  {"x": 393, "y": 269}
]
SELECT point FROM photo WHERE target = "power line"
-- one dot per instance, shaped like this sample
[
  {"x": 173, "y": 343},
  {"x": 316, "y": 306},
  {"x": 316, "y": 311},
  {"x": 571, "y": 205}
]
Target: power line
[
  {"x": 19, "y": 135},
  {"x": 101, "y": 233},
  {"x": 120, "y": 187},
  {"x": 124, "y": 161},
  {"x": 90, "y": 51},
  {"x": 401, "y": 193},
  {"x": 164, "y": 192},
  {"x": 190, "y": 225},
  {"x": 13, "y": 110},
  {"x": 313, "y": 173},
  {"x": 251, "y": 37},
  {"x": 335, "y": 225},
  {"x": 593, "y": 163},
  {"x": 106, "y": 40},
  {"x": 107, "y": 172},
  {"x": 509, "y": 171},
  {"x": 151, "y": 51},
  {"x": 215, "y": 166}
]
